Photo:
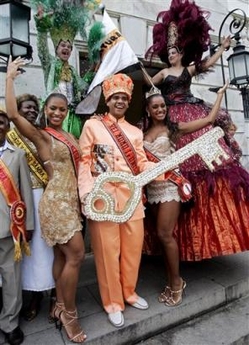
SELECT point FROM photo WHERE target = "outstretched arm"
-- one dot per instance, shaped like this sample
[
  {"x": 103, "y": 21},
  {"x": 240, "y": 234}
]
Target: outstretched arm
[
  {"x": 159, "y": 77},
  {"x": 23, "y": 125},
  {"x": 43, "y": 23},
  {"x": 192, "y": 126},
  {"x": 225, "y": 44}
]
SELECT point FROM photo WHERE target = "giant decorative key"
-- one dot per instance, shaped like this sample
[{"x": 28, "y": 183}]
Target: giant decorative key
[{"x": 207, "y": 147}]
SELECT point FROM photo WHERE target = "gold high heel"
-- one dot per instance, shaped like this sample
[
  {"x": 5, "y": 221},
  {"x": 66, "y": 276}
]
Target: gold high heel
[
  {"x": 55, "y": 314},
  {"x": 69, "y": 320},
  {"x": 173, "y": 302},
  {"x": 162, "y": 298}
]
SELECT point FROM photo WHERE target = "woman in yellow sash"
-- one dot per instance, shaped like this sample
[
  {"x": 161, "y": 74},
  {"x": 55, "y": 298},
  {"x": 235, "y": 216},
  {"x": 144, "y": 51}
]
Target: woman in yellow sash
[
  {"x": 37, "y": 268},
  {"x": 59, "y": 207}
]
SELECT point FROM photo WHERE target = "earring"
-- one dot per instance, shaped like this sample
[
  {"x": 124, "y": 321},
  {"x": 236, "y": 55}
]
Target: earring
[
  {"x": 41, "y": 119},
  {"x": 38, "y": 119},
  {"x": 46, "y": 120},
  {"x": 148, "y": 114}
]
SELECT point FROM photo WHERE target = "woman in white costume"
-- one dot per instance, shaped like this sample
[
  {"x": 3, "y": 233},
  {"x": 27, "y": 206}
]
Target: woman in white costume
[{"x": 37, "y": 268}]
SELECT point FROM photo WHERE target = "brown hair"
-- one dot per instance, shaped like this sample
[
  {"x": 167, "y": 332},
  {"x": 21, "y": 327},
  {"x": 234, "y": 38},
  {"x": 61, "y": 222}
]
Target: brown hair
[{"x": 232, "y": 126}]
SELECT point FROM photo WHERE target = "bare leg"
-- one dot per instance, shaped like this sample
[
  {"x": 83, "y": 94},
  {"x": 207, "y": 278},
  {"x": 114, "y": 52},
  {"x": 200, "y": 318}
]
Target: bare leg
[
  {"x": 67, "y": 279},
  {"x": 58, "y": 265},
  {"x": 66, "y": 283},
  {"x": 167, "y": 216}
]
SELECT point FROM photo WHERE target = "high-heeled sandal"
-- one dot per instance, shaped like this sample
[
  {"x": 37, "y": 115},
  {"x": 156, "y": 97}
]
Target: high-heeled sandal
[
  {"x": 69, "y": 320},
  {"x": 164, "y": 294},
  {"x": 54, "y": 316},
  {"x": 173, "y": 302}
]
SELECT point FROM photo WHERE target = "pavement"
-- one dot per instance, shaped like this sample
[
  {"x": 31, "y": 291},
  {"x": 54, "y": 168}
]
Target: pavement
[{"x": 212, "y": 287}]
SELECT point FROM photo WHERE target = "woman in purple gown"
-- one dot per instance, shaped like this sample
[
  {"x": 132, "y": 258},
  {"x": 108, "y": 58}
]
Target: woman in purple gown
[{"x": 216, "y": 222}]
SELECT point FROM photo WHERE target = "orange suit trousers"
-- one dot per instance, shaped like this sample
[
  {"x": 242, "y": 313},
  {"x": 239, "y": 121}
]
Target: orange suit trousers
[{"x": 117, "y": 251}]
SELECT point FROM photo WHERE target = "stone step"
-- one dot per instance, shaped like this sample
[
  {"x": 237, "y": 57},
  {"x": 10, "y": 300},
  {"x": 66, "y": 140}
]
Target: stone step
[{"x": 228, "y": 325}]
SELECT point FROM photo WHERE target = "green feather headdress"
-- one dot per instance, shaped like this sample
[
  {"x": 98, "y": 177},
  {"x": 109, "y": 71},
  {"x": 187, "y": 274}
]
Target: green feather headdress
[
  {"x": 64, "y": 18},
  {"x": 95, "y": 39}
]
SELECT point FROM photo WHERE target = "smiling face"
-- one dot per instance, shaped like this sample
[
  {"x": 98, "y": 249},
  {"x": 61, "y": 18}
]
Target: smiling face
[
  {"x": 174, "y": 56},
  {"x": 156, "y": 107},
  {"x": 56, "y": 110},
  {"x": 64, "y": 50},
  {"x": 118, "y": 103},
  {"x": 29, "y": 110}
]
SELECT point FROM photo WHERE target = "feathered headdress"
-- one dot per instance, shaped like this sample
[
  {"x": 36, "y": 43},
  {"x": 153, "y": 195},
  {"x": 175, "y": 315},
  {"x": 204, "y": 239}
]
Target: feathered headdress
[
  {"x": 185, "y": 26},
  {"x": 64, "y": 18}
]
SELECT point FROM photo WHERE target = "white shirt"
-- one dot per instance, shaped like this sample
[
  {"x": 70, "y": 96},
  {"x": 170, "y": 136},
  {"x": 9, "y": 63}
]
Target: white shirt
[{"x": 5, "y": 146}]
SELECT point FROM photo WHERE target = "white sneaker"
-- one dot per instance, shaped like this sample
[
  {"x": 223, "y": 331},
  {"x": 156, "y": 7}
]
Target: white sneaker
[
  {"x": 116, "y": 319},
  {"x": 140, "y": 304}
]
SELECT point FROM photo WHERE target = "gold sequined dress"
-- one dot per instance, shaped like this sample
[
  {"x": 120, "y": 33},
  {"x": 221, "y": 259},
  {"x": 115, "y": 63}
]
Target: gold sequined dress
[{"x": 59, "y": 208}]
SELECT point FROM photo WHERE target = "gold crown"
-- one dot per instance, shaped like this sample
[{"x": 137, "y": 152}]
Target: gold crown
[
  {"x": 172, "y": 35},
  {"x": 153, "y": 91},
  {"x": 117, "y": 83}
]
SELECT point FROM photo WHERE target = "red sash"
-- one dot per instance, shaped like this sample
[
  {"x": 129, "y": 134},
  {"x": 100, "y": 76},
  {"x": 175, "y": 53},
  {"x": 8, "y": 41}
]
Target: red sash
[
  {"x": 122, "y": 142},
  {"x": 184, "y": 186},
  {"x": 17, "y": 211},
  {"x": 75, "y": 154}
]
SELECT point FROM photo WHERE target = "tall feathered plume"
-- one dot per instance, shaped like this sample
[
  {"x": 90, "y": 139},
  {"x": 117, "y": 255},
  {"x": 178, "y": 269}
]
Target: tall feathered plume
[{"x": 192, "y": 32}]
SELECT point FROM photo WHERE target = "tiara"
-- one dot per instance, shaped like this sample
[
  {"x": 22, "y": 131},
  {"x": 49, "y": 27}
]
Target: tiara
[{"x": 153, "y": 91}]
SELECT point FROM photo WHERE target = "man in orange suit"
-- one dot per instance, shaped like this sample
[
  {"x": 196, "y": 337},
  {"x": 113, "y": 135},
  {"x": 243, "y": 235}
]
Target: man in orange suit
[{"x": 110, "y": 143}]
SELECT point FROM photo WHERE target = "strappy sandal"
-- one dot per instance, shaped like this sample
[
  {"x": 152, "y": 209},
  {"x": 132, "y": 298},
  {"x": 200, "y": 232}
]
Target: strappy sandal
[
  {"x": 173, "y": 302},
  {"x": 55, "y": 313},
  {"x": 162, "y": 298},
  {"x": 69, "y": 320}
]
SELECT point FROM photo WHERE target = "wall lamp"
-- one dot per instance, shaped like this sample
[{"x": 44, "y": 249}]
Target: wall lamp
[
  {"x": 14, "y": 31},
  {"x": 238, "y": 61}
]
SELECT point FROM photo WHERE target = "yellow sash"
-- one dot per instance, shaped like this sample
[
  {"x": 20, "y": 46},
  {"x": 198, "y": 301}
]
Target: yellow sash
[{"x": 35, "y": 166}]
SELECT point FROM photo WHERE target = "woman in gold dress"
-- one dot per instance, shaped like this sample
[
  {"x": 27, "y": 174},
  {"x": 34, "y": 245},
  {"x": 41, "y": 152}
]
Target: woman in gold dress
[{"x": 59, "y": 208}]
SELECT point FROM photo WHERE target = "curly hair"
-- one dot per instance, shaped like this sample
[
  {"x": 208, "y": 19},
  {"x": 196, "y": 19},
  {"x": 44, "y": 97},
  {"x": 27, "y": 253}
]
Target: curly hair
[{"x": 24, "y": 98}]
